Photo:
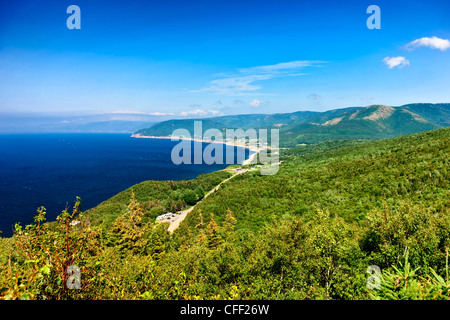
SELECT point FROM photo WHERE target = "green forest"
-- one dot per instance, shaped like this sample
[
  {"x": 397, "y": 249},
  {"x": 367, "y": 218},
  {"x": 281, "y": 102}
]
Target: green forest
[
  {"x": 341, "y": 220},
  {"x": 311, "y": 127}
]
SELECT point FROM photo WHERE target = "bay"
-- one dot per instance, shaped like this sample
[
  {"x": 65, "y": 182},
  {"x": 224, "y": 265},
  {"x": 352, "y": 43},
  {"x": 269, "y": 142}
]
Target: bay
[{"x": 51, "y": 170}]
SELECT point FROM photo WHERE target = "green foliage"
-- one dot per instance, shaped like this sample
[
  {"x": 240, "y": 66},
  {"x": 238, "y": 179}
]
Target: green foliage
[
  {"x": 213, "y": 237},
  {"x": 128, "y": 233},
  {"x": 155, "y": 198},
  {"x": 404, "y": 283},
  {"x": 392, "y": 230},
  {"x": 39, "y": 258},
  {"x": 372, "y": 122},
  {"x": 308, "y": 232},
  {"x": 190, "y": 197}
]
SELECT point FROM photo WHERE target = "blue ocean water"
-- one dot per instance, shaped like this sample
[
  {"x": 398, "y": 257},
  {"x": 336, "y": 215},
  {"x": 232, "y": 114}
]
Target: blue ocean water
[{"x": 52, "y": 169}]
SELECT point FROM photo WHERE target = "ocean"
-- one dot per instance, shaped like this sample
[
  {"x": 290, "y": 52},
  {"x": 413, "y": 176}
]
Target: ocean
[{"x": 51, "y": 170}]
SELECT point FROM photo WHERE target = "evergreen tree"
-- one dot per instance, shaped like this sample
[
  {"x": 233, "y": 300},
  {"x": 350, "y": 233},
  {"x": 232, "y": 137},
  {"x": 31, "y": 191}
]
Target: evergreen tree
[
  {"x": 229, "y": 223},
  {"x": 212, "y": 234},
  {"x": 201, "y": 238},
  {"x": 128, "y": 230}
]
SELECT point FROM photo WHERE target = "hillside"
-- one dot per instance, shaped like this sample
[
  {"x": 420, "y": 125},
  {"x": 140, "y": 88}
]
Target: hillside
[
  {"x": 372, "y": 122},
  {"x": 255, "y": 121},
  {"x": 308, "y": 232},
  {"x": 436, "y": 113}
]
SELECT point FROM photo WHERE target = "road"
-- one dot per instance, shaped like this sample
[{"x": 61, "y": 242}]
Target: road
[{"x": 174, "y": 223}]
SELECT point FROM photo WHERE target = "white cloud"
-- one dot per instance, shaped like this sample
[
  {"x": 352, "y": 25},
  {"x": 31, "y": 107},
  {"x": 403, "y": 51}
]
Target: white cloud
[
  {"x": 367, "y": 98},
  {"x": 160, "y": 114},
  {"x": 256, "y": 103},
  {"x": 283, "y": 67},
  {"x": 314, "y": 97},
  {"x": 235, "y": 85},
  {"x": 433, "y": 43},
  {"x": 200, "y": 112},
  {"x": 128, "y": 112},
  {"x": 393, "y": 62},
  {"x": 243, "y": 82},
  {"x": 143, "y": 113}
]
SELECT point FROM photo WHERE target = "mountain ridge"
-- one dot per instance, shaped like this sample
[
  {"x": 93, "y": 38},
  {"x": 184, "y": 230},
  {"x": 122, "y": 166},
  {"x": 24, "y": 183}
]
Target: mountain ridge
[{"x": 300, "y": 127}]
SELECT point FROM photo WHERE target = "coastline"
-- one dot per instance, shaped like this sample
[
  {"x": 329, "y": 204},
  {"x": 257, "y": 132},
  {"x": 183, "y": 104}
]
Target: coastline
[
  {"x": 91, "y": 202},
  {"x": 250, "y": 159}
]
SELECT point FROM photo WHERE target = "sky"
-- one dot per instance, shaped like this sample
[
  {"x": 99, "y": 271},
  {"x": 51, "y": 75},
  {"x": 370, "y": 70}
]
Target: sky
[{"x": 209, "y": 58}]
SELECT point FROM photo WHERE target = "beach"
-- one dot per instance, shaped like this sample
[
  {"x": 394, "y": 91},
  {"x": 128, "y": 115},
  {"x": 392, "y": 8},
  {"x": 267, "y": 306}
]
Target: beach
[{"x": 252, "y": 158}]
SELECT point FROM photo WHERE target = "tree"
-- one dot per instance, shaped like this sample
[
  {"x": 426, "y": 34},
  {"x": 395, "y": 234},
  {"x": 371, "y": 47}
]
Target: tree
[
  {"x": 212, "y": 234},
  {"x": 128, "y": 230},
  {"x": 201, "y": 238},
  {"x": 45, "y": 254},
  {"x": 190, "y": 197},
  {"x": 229, "y": 223}
]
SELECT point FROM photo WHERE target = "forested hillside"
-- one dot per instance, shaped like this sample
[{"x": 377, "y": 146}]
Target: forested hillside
[
  {"x": 306, "y": 127},
  {"x": 309, "y": 232}
]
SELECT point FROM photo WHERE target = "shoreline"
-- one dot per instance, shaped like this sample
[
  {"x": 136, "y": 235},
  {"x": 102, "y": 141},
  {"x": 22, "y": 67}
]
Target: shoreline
[
  {"x": 250, "y": 159},
  {"x": 101, "y": 200}
]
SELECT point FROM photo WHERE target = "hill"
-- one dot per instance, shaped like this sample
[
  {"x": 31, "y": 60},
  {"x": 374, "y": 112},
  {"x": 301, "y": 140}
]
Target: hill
[
  {"x": 436, "y": 113},
  {"x": 255, "y": 121},
  {"x": 372, "y": 122}
]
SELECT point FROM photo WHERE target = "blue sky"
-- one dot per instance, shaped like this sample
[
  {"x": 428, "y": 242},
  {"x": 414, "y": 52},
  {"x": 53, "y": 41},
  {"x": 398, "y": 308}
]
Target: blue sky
[{"x": 206, "y": 58}]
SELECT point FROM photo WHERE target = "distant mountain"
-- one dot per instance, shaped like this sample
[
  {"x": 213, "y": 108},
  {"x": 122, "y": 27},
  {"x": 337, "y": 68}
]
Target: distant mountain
[
  {"x": 107, "y": 123},
  {"x": 372, "y": 122},
  {"x": 113, "y": 126},
  {"x": 247, "y": 121}
]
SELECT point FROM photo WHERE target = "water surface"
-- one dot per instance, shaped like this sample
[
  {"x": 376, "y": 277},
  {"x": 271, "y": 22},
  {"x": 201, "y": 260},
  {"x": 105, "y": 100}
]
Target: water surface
[{"x": 52, "y": 169}]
